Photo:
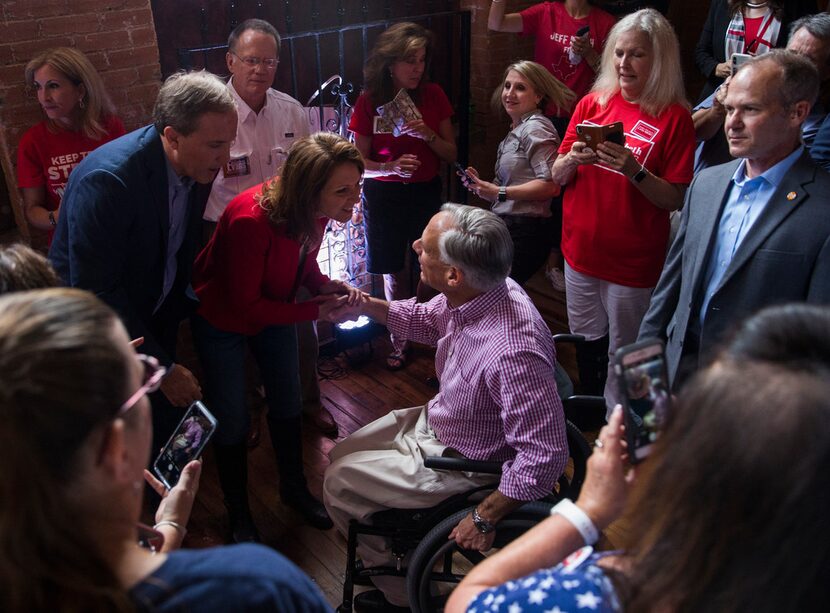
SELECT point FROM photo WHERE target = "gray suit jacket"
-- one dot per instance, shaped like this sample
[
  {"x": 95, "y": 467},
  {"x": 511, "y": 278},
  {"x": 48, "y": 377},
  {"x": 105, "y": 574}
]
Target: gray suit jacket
[{"x": 785, "y": 257}]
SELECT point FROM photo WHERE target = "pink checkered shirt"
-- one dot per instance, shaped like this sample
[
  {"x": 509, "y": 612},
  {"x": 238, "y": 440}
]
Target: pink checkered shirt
[{"x": 498, "y": 400}]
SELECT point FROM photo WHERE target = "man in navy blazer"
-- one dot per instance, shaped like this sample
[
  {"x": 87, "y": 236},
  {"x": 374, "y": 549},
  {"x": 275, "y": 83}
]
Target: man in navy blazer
[
  {"x": 130, "y": 220},
  {"x": 755, "y": 231}
]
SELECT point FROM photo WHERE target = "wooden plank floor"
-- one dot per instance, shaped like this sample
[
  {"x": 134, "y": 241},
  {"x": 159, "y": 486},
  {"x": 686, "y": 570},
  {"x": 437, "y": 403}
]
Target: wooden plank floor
[{"x": 357, "y": 396}]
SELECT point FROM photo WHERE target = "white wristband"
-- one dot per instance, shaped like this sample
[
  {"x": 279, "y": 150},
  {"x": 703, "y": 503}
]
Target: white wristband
[
  {"x": 579, "y": 519},
  {"x": 177, "y": 527}
]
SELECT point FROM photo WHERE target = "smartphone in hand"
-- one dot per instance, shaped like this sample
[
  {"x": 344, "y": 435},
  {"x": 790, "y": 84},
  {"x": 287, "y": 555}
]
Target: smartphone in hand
[
  {"x": 185, "y": 445},
  {"x": 466, "y": 178},
  {"x": 592, "y": 135},
  {"x": 644, "y": 385}
]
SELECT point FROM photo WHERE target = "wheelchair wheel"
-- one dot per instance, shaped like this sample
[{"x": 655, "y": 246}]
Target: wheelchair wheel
[{"x": 438, "y": 564}]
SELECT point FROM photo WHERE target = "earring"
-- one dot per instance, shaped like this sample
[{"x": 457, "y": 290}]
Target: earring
[{"x": 82, "y": 104}]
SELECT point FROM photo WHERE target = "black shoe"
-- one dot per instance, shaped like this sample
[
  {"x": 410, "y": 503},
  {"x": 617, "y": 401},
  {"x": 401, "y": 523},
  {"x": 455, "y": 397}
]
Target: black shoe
[
  {"x": 243, "y": 529},
  {"x": 374, "y": 601},
  {"x": 312, "y": 510}
]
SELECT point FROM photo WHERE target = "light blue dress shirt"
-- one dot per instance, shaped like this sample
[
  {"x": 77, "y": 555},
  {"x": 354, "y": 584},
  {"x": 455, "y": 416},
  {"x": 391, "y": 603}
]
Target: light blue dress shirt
[
  {"x": 747, "y": 200},
  {"x": 178, "y": 193}
]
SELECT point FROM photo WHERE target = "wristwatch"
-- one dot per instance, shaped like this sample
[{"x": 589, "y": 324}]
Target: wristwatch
[
  {"x": 640, "y": 175},
  {"x": 481, "y": 524},
  {"x": 503, "y": 193}
]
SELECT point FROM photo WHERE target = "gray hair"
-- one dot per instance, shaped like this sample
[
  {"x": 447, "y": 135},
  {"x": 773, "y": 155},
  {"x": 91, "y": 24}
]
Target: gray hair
[
  {"x": 479, "y": 244},
  {"x": 257, "y": 25},
  {"x": 818, "y": 25},
  {"x": 799, "y": 76},
  {"x": 186, "y": 96}
]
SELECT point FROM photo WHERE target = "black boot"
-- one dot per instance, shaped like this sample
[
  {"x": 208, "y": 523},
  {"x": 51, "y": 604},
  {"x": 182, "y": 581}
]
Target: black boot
[
  {"x": 592, "y": 363},
  {"x": 232, "y": 464},
  {"x": 287, "y": 439}
]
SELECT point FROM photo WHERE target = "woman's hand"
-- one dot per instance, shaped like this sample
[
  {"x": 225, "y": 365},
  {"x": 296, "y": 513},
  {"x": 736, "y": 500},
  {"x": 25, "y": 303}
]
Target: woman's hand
[
  {"x": 482, "y": 189},
  {"x": 406, "y": 165},
  {"x": 582, "y": 44},
  {"x": 723, "y": 70},
  {"x": 353, "y": 295},
  {"x": 617, "y": 157},
  {"x": 177, "y": 503},
  {"x": 581, "y": 154},
  {"x": 329, "y": 304},
  {"x": 419, "y": 129},
  {"x": 609, "y": 478}
]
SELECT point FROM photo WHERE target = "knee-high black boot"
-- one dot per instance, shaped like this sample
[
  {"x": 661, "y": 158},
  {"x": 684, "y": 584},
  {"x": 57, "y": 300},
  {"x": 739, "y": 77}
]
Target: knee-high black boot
[
  {"x": 287, "y": 439},
  {"x": 232, "y": 464},
  {"x": 592, "y": 363}
]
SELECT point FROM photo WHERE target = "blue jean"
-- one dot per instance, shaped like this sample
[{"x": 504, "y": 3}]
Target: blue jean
[{"x": 222, "y": 355}]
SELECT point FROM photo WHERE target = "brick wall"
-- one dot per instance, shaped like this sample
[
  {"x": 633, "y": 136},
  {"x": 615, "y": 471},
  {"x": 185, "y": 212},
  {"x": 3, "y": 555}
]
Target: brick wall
[
  {"x": 490, "y": 54},
  {"x": 119, "y": 38}
]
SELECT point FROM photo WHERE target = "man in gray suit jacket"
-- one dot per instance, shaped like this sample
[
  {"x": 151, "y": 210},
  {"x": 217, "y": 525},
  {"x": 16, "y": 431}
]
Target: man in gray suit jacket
[{"x": 755, "y": 231}]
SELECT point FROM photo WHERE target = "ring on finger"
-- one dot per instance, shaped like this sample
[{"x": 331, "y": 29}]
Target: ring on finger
[{"x": 599, "y": 444}]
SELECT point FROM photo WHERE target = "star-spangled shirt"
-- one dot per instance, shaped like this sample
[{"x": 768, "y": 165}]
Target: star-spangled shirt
[
  {"x": 577, "y": 584},
  {"x": 498, "y": 400}
]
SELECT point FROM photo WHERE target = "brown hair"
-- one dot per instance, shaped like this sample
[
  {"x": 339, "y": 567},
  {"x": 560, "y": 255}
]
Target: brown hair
[
  {"x": 544, "y": 84},
  {"x": 293, "y": 197},
  {"x": 733, "y": 503},
  {"x": 75, "y": 66},
  {"x": 397, "y": 43},
  {"x": 61, "y": 378},
  {"x": 22, "y": 268}
]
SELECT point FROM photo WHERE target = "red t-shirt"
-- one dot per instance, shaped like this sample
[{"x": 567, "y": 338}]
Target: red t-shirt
[
  {"x": 610, "y": 230},
  {"x": 435, "y": 108},
  {"x": 45, "y": 158},
  {"x": 554, "y": 29},
  {"x": 244, "y": 275}
]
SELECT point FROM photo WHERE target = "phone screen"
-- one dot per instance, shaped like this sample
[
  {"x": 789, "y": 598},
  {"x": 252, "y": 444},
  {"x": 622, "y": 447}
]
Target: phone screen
[
  {"x": 641, "y": 370},
  {"x": 466, "y": 179},
  {"x": 185, "y": 445}
]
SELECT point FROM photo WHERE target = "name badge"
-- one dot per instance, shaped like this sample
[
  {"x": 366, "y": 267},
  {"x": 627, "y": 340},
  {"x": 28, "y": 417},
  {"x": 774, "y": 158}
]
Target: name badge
[{"x": 237, "y": 167}]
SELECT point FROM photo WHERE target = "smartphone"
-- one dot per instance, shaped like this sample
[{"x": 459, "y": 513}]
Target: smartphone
[
  {"x": 583, "y": 31},
  {"x": 592, "y": 135},
  {"x": 737, "y": 59},
  {"x": 466, "y": 179},
  {"x": 646, "y": 394},
  {"x": 186, "y": 444}
]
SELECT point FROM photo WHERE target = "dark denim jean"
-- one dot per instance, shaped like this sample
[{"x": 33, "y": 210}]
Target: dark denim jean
[{"x": 222, "y": 355}]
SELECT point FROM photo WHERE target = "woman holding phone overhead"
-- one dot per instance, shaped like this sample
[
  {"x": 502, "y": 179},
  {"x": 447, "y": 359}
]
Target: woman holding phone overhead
[
  {"x": 402, "y": 190},
  {"x": 264, "y": 248},
  {"x": 76, "y": 440},
  {"x": 616, "y": 207},
  {"x": 522, "y": 188}
]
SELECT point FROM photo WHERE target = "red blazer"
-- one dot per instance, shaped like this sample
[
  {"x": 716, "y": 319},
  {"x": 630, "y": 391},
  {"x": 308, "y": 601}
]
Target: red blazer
[{"x": 245, "y": 273}]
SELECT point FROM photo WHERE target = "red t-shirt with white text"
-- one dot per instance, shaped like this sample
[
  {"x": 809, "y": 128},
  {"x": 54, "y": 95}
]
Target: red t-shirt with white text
[
  {"x": 610, "y": 230},
  {"x": 555, "y": 29}
]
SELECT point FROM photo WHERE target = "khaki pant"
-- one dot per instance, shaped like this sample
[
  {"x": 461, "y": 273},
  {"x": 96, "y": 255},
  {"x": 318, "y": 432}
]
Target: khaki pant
[{"x": 381, "y": 466}]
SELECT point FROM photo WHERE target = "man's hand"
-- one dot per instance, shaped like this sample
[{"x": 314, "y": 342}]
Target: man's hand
[
  {"x": 181, "y": 387},
  {"x": 467, "y": 536}
]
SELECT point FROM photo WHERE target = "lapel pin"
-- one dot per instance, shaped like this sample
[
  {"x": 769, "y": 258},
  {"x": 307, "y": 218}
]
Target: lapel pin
[{"x": 791, "y": 196}]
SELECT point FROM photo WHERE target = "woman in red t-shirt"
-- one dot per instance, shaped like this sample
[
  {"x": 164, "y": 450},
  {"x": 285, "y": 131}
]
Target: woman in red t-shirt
[
  {"x": 79, "y": 118},
  {"x": 402, "y": 189},
  {"x": 615, "y": 228}
]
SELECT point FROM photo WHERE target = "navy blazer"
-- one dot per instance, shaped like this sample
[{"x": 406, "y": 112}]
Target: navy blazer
[
  {"x": 111, "y": 237},
  {"x": 785, "y": 257}
]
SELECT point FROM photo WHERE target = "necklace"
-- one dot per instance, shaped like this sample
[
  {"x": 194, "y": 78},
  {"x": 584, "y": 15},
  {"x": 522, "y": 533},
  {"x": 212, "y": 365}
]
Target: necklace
[{"x": 756, "y": 5}]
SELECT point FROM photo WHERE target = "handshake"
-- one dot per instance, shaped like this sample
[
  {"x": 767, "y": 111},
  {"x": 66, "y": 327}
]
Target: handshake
[{"x": 339, "y": 302}]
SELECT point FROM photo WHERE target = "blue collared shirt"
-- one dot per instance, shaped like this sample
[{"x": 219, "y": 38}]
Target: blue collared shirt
[
  {"x": 747, "y": 200},
  {"x": 178, "y": 194}
]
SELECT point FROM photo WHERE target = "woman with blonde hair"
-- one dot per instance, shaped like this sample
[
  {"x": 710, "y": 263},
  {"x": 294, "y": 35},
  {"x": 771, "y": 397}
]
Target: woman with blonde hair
[
  {"x": 522, "y": 188},
  {"x": 76, "y": 439},
  {"x": 79, "y": 118},
  {"x": 264, "y": 248},
  {"x": 615, "y": 226},
  {"x": 402, "y": 189}
]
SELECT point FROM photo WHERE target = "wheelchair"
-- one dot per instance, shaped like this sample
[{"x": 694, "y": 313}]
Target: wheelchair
[{"x": 432, "y": 564}]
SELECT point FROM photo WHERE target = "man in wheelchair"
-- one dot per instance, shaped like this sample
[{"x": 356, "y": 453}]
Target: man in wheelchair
[{"x": 498, "y": 401}]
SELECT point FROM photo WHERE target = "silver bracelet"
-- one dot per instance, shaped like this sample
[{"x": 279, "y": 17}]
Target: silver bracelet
[
  {"x": 168, "y": 522},
  {"x": 579, "y": 519},
  {"x": 382, "y": 167}
]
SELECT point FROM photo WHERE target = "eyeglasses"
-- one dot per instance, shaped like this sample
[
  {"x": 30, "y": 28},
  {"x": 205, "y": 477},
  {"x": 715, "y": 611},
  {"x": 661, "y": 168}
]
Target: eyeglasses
[
  {"x": 269, "y": 62},
  {"x": 151, "y": 381}
]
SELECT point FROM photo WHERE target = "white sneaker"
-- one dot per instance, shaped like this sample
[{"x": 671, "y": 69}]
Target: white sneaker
[{"x": 556, "y": 278}]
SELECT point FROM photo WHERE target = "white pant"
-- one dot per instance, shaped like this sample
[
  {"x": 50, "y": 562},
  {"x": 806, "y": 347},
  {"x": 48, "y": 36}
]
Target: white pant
[
  {"x": 381, "y": 466},
  {"x": 597, "y": 308}
]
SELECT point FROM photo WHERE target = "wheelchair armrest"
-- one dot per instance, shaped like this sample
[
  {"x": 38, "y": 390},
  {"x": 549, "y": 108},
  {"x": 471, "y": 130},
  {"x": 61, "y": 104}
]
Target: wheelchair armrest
[
  {"x": 585, "y": 403},
  {"x": 568, "y": 338},
  {"x": 463, "y": 465}
]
